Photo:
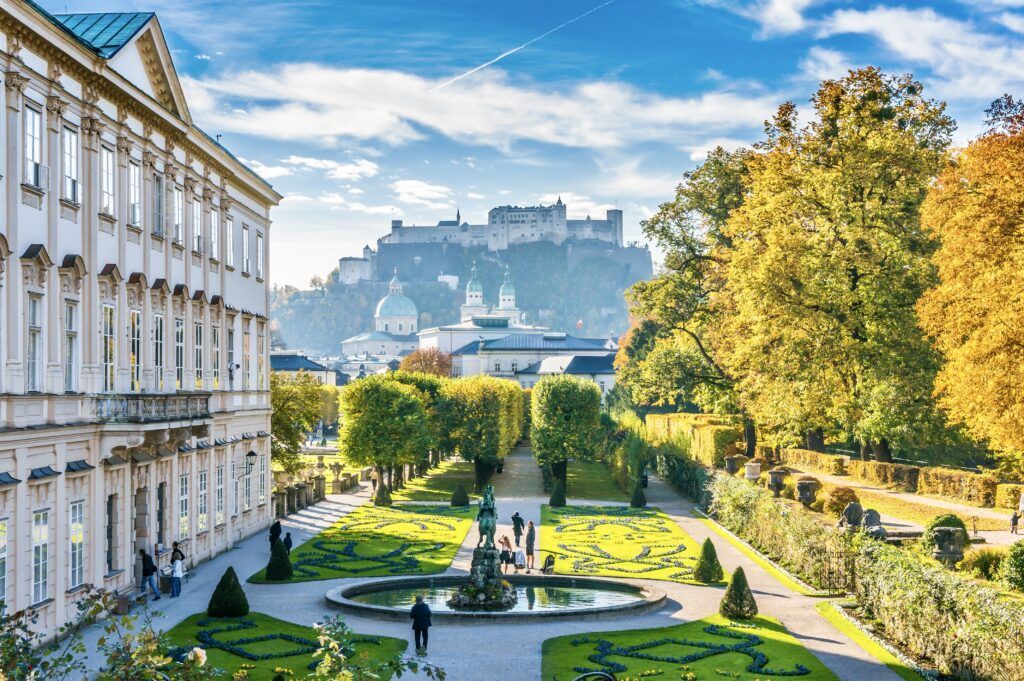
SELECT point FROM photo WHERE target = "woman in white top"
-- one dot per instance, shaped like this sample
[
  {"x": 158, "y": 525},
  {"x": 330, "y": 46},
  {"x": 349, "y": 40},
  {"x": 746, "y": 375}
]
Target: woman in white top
[{"x": 177, "y": 572}]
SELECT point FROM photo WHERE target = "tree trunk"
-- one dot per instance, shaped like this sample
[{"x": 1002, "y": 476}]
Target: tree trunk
[
  {"x": 750, "y": 438},
  {"x": 882, "y": 452},
  {"x": 391, "y": 478},
  {"x": 816, "y": 440},
  {"x": 865, "y": 451}
]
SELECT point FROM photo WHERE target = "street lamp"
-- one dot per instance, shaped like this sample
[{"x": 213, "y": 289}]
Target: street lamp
[{"x": 250, "y": 461}]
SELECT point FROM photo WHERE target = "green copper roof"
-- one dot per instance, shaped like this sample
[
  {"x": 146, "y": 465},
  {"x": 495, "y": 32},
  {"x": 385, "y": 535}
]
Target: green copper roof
[
  {"x": 507, "y": 289},
  {"x": 474, "y": 285},
  {"x": 106, "y": 32}
]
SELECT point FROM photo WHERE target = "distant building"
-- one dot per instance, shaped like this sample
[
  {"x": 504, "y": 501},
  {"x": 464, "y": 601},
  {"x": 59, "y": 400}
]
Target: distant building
[
  {"x": 292, "y": 362},
  {"x": 598, "y": 368},
  {"x": 394, "y": 328},
  {"x": 508, "y": 356},
  {"x": 352, "y": 270}
]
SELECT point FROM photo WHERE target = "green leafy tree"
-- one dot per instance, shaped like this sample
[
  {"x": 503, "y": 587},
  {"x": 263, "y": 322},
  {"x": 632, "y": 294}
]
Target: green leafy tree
[
  {"x": 329, "y": 404},
  {"x": 459, "y": 496},
  {"x": 296, "y": 407},
  {"x": 482, "y": 420},
  {"x": 565, "y": 418},
  {"x": 557, "y": 498},
  {"x": 1012, "y": 568},
  {"x": 335, "y": 660}
]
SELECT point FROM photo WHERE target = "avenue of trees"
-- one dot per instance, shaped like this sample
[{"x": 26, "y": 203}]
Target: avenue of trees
[
  {"x": 564, "y": 422},
  {"x": 852, "y": 278}
]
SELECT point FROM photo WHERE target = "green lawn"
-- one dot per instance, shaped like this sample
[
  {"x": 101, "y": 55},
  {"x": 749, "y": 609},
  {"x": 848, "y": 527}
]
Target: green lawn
[
  {"x": 592, "y": 480},
  {"x": 617, "y": 541},
  {"x": 294, "y": 654},
  {"x": 711, "y": 648},
  {"x": 375, "y": 541},
  {"x": 439, "y": 483}
]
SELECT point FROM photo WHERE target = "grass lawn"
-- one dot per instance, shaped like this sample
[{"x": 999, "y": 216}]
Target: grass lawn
[
  {"x": 375, "y": 541},
  {"x": 917, "y": 513},
  {"x": 711, "y": 648},
  {"x": 592, "y": 480},
  {"x": 295, "y": 654},
  {"x": 617, "y": 541},
  {"x": 828, "y": 611},
  {"x": 439, "y": 483}
]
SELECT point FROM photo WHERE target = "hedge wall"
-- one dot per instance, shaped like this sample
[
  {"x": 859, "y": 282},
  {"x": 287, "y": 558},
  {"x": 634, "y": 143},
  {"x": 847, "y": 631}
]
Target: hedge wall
[
  {"x": 974, "y": 488},
  {"x": 708, "y": 438},
  {"x": 805, "y": 458},
  {"x": 1008, "y": 495},
  {"x": 895, "y": 475},
  {"x": 682, "y": 472}
]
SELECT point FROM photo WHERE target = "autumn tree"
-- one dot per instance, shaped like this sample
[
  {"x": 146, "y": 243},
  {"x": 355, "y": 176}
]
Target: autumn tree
[
  {"x": 329, "y": 404},
  {"x": 975, "y": 313},
  {"x": 826, "y": 262},
  {"x": 478, "y": 421},
  {"x": 429, "y": 387},
  {"x": 295, "y": 411},
  {"x": 428, "y": 361},
  {"x": 564, "y": 422}
]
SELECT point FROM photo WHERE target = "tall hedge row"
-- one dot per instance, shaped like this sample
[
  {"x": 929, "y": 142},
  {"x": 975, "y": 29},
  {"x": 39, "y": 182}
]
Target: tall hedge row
[
  {"x": 708, "y": 438},
  {"x": 1008, "y": 495},
  {"x": 564, "y": 421},
  {"x": 974, "y": 488},
  {"x": 893, "y": 475},
  {"x": 818, "y": 461}
]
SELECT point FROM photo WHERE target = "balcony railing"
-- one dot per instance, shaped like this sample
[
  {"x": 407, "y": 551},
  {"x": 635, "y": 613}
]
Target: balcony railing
[{"x": 132, "y": 408}]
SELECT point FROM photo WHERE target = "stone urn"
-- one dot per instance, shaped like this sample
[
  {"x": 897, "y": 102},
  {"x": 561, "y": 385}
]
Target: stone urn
[
  {"x": 752, "y": 471},
  {"x": 949, "y": 545},
  {"x": 776, "y": 477},
  {"x": 336, "y": 486},
  {"x": 807, "y": 491},
  {"x": 733, "y": 463}
]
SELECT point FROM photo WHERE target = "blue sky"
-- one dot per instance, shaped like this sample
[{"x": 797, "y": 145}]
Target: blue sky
[{"x": 337, "y": 102}]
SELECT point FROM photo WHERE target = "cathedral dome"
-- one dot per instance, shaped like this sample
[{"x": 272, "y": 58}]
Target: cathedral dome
[
  {"x": 396, "y": 305},
  {"x": 507, "y": 289}
]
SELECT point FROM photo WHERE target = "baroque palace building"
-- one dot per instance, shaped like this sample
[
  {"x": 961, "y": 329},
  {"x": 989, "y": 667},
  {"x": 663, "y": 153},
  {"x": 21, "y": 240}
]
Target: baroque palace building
[{"x": 134, "y": 391}]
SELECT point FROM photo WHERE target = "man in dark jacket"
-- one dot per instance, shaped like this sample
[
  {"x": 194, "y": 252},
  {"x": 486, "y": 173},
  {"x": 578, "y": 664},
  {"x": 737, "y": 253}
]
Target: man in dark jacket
[
  {"x": 420, "y": 616},
  {"x": 148, "y": 574},
  {"x": 177, "y": 553},
  {"x": 288, "y": 543},
  {"x": 517, "y": 526}
]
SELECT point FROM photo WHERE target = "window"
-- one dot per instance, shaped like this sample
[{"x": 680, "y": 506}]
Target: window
[
  {"x": 158, "y": 350},
  {"x": 198, "y": 351},
  {"x": 134, "y": 194},
  {"x": 179, "y": 353},
  {"x": 263, "y": 479},
  {"x": 161, "y": 513},
  {"x": 158, "y": 205},
  {"x": 109, "y": 348},
  {"x": 76, "y": 537},
  {"x": 515, "y": 366},
  {"x": 197, "y": 224},
  {"x": 261, "y": 353},
  {"x": 70, "y": 346},
  {"x": 179, "y": 213},
  {"x": 34, "y": 354},
  {"x": 111, "y": 533},
  {"x": 246, "y": 363},
  {"x": 245, "y": 248},
  {"x": 231, "y": 356},
  {"x": 215, "y": 359},
  {"x": 229, "y": 239},
  {"x": 106, "y": 180},
  {"x": 183, "y": 504},
  {"x": 247, "y": 499},
  {"x": 497, "y": 366},
  {"x": 259, "y": 254},
  {"x": 40, "y": 556},
  {"x": 135, "y": 349},
  {"x": 214, "y": 232},
  {"x": 218, "y": 504},
  {"x": 201, "y": 515},
  {"x": 234, "y": 489},
  {"x": 33, "y": 147},
  {"x": 70, "y": 154},
  {"x": 3, "y": 564}
]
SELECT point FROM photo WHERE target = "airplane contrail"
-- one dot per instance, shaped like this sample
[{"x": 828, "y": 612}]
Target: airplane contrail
[{"x": 516, "y": 49}]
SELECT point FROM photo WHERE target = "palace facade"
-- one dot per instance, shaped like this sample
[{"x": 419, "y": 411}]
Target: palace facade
[{"x": 134, "y": 390}]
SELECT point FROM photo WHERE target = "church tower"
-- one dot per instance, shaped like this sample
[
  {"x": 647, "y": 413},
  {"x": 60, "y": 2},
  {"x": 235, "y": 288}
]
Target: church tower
[
  {"x": 507, "y": 300},
  {"x": 474, "y": 306}
]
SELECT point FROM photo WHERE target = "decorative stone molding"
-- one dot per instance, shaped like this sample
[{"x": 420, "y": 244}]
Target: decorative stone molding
[
  {"x": 56, "y": 106},
  {"x": 109, "y": 280},
  {"x": 71, "y": 272},
  {"x": 92, "y": 126},
  {"x": 124, "y": 144},
  {"x": 15, "y": 83},
  {"x": 191, "y": 183},
  {"x": 35, "y": 265},
  {"x": 53, "y": 71},
  {"x": 90, "y": 94},
  {"x": 14, "y": 46},
  {"x": 148, "y": 158}
]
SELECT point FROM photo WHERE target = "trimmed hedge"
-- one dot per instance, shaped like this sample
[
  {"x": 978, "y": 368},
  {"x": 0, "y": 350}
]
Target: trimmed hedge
[
  {"x": 974, "y": 488},
  {"x": 708, "y": 438},
  {"x": 893, "y": 475},
  {"x": 683, "y": 473},
  {"x": 228, "y": 599},
  {"x": 1012, "y": 568},
  {"x": 837, "y": 500},
  {"x": 1008, "y": 495},
  {"x": 738, "y": 602},
  {"x": 805, "y": 458}
]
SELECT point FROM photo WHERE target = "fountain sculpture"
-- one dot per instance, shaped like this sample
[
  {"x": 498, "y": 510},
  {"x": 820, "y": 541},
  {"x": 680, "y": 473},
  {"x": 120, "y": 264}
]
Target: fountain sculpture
[{"x": 486, "y": 589}]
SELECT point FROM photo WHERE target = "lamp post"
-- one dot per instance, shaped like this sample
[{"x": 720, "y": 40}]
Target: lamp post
[{"x": 250, "y": 461}]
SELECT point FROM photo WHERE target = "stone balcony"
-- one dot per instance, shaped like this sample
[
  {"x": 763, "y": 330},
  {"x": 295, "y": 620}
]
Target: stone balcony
[{"x": 149, "y": 408}]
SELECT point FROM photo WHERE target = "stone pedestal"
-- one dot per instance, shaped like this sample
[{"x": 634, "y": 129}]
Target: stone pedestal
[
  {"x": 291, "y": 494},
  {"x": 486, "y": 589}
]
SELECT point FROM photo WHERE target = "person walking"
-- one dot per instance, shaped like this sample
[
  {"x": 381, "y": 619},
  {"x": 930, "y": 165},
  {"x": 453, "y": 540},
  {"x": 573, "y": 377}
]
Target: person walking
[
  {"x": 374, "y": 479},
  {"x": 517, "y": 526},
  {"x": 177, "y": 572},
  {"x": 531, "y": 542},
  {"x": 1014, "y": 519},
  {"x": 288, "y": 543},
  {"x": 420, "y": 616},
  {"x": 149, "y": 574},
  {"x": 506, "y": 553}
]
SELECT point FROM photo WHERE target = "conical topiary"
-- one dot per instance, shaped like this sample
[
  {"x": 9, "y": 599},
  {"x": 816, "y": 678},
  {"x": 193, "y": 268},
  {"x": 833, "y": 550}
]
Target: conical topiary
[
  {"x": 557, "y": 499},
  {"x": 382, "y": 497},
  {"x": 278, "y": 677},
  {"x": 279, "y": 569},
  {"x": 460, "y": 497},
  {"x": 639, "y": 499},
  {"x": 228, "y": 599},
  {"x": 708, "y": 570},
  {"x": 738, "y": 603}
]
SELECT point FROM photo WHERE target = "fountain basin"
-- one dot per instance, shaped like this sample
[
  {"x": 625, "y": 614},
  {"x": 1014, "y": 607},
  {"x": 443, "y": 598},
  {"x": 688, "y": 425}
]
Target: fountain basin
[{"x": 552, "y": 597}]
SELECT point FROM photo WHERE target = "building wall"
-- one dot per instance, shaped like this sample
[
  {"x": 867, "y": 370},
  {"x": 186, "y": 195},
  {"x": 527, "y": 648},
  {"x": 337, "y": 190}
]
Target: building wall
[
  {"x": 353, "y": 270},
  {"x": 84, "y": 284}
]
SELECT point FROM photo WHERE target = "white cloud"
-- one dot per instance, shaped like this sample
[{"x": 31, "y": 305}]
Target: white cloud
[
  {"x": 772, "y": 16},
  {"x": 1014, "y": 22},
  {"x": 338, "y": 202},
  {"x": 204, "y": 57},
  {"x": 824, "y": 64},
  {"x": 624, "y": 177},
  {"x": 577, "y": 206},
  {"x": 355, "y": 191},
  {"x": 265, "y": 171},
  {"x": 319, "y": 104},
  {"x": 700, "y": 151},
  {"x": 474, "y": 196},
  {"x": 356, "y": 170},
  {"x": 420, "y": 193},
  {"x": 296, "y": 198}
]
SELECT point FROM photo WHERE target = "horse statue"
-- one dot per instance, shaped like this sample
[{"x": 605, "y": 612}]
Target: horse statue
[{"x": 487, "y": 519}]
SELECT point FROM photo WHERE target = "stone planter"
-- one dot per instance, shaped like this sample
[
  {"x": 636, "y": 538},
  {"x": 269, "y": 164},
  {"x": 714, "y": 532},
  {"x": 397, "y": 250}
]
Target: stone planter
[
  {"x": 775, "y": 480},
  {"x": 752, "y": 472},
  {"x": 949, "y": 545},
  {"x": 733, "y": 463},
  {"x": 806, "y": 491}
]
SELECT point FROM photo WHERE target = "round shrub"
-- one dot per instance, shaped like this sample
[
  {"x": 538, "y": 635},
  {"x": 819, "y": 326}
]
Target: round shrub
[
  {"x": 708, "y": 570},
  {"x": 460, "y": 497},
  {"x": 738, "y": 602},
  {"x": 557, "y": 499},
  {"x": 941, "y": 520},
  {"x": 228, "y": 599},
  {"x": 837, "y": 499},
  {"x": 639, "y": 499},
  {"x": 1013, "y": 567},
  {"x": 279, "y": 569},
  {"x": 983, "y": 563}
]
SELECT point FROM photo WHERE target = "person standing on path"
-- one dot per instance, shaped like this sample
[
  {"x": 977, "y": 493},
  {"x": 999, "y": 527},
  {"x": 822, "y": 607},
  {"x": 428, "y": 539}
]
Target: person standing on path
[
  {"x": 148, "y": 574},
  {"x": 531, "y": 542},
  {"x": 288, "y": 543},
  {"x": 177, "y": 553},
  {"x": 517, "y": 526},
  {"x": 177, "y": 572},
  {"x": 420, "y": 616},
  {"x": 1014, "y": 519}
]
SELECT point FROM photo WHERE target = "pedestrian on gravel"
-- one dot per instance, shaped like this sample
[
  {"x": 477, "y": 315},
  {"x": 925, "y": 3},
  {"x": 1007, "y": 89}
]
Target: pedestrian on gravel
[
  {"x": 149, "y": 574},
  {"x": 420, "y": 616},
  {"x": 177, "y": 572},
  {"x": 288, "y": 543},
  {"x": 517, "y": 526},
  {"x": 1014, "y": 519},
  {"x": 506, "y": 553},
  {"x": 531, "y": 542}
]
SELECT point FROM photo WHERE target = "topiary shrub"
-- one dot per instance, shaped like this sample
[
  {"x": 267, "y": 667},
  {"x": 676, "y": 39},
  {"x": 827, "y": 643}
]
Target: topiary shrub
[
  {"x": 382, "y": 497},
  {"x": 1012, "y": 569},
  {"x": 278, "y": 677},
  {"x": 983, "y": 563},
  {"x": 460, "y": 497},
  {"x": 941, "y": 520},
  {"x": 708, "y": 570},
  {"x": 279, "y": 569},
  {"x": 557, "y": 499},
  {"x": 738, "y": 602},
  {"x": 228, "y": 599},
  {"x": 837, "y": 499},
  {"x": 639, "y": 499}
]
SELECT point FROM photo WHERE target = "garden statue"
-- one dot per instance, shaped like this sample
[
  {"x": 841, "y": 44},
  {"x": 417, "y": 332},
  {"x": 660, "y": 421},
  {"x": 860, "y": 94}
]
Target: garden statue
[
  {"x": 949, "y": 545},
  {"x": 852, "y": 516},
  {"x": 872, "y": 523},
  {"x": 487, "y": 519},
  {"x": 486, "y": 588}
]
